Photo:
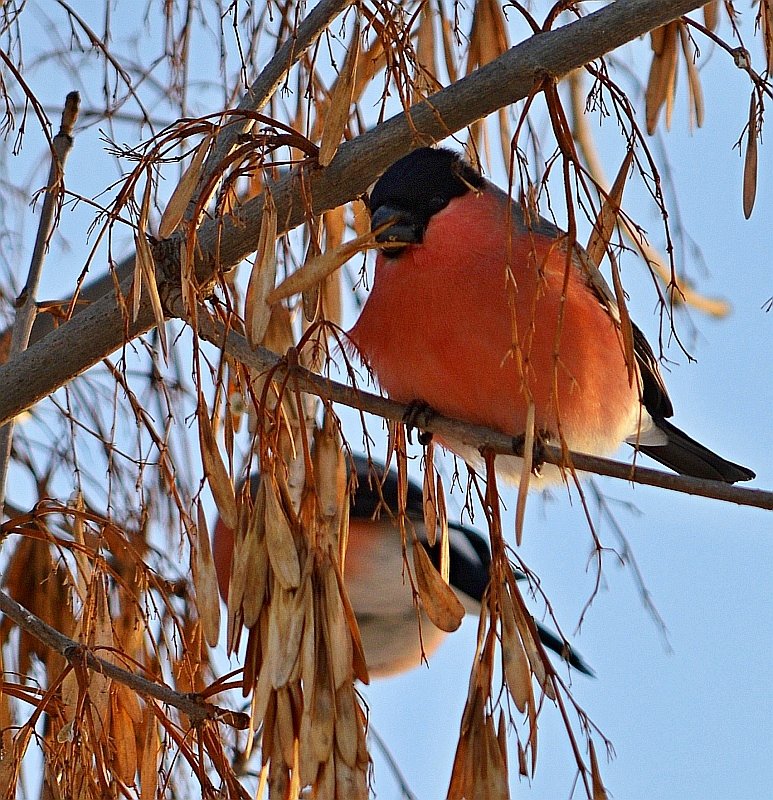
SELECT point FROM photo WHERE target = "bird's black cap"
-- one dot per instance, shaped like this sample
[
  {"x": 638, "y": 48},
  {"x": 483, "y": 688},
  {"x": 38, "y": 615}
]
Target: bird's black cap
[{"x": 415, "y": 188}]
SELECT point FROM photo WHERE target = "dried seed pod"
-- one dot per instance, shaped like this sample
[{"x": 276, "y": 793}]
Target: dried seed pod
[
  {"x": 329, "y": 467},
  {"x": 150, "y": 750},
  {"x": 445, "y": 539},
  {"x": 346, "y": 725},
  {"x": 661, "y": 84},
  {"x": 515, "y": 663},
  {"x": 438, "y": 599},
  {"x": 205, "y": 582},
  {"x": 183, "y": 192},
  {"x": 429, "y": 496},
  {"x": 599, "y": 792},
  {"x": 214, "y": 469},
  {"x": 750, "y": 160},
  {"x": 316, "y": 269},
  {"x": 341, "y": 101},
  {"x": 338, "y": 636},
  {"x": 280, "y": 542},
  {"x": 122, "y": 739},
  {"x": 257, "y": 310}
]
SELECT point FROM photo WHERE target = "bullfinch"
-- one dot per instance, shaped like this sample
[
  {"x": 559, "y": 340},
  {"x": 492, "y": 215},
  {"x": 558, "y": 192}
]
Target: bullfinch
[
  {"x": 474, "y": 314},
  {"x": 379, "y": 593}
]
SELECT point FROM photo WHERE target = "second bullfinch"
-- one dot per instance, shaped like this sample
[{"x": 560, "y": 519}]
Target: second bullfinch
[
  {"x": 373, "y": 573},
  {"x": 474, "y": 313}
]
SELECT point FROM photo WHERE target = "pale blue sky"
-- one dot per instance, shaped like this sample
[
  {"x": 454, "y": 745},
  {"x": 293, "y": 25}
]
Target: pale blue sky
[{"x": 693, "y": 723}]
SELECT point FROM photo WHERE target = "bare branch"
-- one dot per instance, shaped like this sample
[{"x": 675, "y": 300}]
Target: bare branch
[
  {"x": 76, "y": 653},
  {"x": 269, "y": 79},
  {"x": 100, "y": 330},
  {"x": 263, "y": 360},
  {"x": 26, "y": 303}
]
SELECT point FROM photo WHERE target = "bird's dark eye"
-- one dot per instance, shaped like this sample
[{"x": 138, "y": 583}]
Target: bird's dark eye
[{"x": 437, "y": 202}]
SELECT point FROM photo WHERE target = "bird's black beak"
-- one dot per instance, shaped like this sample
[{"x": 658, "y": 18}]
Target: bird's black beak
[{"x": 402, "y": 229}]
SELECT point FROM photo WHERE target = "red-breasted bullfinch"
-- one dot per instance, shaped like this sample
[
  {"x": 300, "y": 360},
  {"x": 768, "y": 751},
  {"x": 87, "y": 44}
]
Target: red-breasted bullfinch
[
  {"x": 474, "y": 313},
  {"x": 373, "y": 573}
]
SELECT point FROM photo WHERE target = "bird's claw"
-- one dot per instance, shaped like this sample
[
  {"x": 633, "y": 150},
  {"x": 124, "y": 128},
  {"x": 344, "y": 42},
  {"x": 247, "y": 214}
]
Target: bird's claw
[
  {"x": 541, "y": 438},
  {"x": 416, "y": 412}
]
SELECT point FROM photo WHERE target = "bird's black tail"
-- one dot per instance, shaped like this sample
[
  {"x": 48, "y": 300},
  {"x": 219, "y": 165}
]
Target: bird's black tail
[
  {"x": 688, "y": 457},
  {"x": 553, "y": 642}
]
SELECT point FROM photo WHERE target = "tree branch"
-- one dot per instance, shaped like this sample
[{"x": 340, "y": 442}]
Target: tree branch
[
  {"x": 261, "y": 360},
  {"x": 99, "y": 330},
  {"x": 269, "y": 79},
  {"x": 76, "y": 653},
  {"x": 26, "y": 303}
]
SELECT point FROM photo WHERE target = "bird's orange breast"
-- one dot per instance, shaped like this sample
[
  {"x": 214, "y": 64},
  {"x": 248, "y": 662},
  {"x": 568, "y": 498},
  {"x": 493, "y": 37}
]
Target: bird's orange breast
[{"x": 479, "y": 318}]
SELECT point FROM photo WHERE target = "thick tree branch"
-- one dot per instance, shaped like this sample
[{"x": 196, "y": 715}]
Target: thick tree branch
[
  {"x": 262, "y": 360},
  {"x": 98, "y": 331},
  {"x": 26, "y": 303},
  {"x": 76, "y": 653}
]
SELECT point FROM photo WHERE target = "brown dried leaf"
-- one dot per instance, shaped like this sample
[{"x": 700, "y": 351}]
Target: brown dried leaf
[
  {"x": 515, "y": 663},
  {"x": 693, "y": 80},
  {"x": 341, "y": 101},
  {"x": 599, "y": 792},
  {"x": 346, "y": 724},
  {"x": 280, "y": 542},
  {"x": 661, "y": 84},
  {"x": 101, "y": 639},
  {"x": 523, "y": 764},
  {"x": 123, "y": 741},
  {"x": 205, "y": 582},
  {"x": 750, "y": 160},
  {"x": 424, "y": 81},
  {"x": 494, "y": 774},
  {"x": 523, "y": 484},
  {"x": 255, "y": 563},
  {"x": 601, "y": 236},
  {"x": 358, "y": 653},
  {"x": 144, "y": 258},
  {"x": 350, "y": 783},
  {"x": 766, "y": 23},
  {"x": 214, "y": 469},
  {"x": 310, "y": 296},
  {"x": 331, "y": 298},
  {"x": 257, "y": 311},
  {"x": 85, "y": 567},
  {"x": 315, "y": 270},
  {"x": 502, "y": 736},
  {"x": 626, "y": 327},
  {"x": 181, "y": 196},
  {"x": 287, "y": 617},
  {"x": 149, "y": 764},
  {"x": 329, "y": 467},
  {"x": 261, "y": 694},
  {"x": 323, "y": 712},
  {"x": 284, "y": 726},
  {"x": 711, "y": 14},
  {"x": 441, "y": 604},
  {"x": 671, "y": 61},
  {"x": 429, "y": 496},
  {"x": 657, "y": 40},
  {"x": 339, "y": 638},
  {"x": 524, "y": 624},
  {"x": 445, "y": 539},
  {"x": 459, "y": 772}
]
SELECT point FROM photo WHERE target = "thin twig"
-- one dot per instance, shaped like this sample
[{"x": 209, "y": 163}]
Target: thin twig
[
  {"x": 271, "y": 76},
  {"x": 683, "y": 292},
  {"x": 222, "y": 243},
  {"x": 26, "y": 302},
  {"x": 262, "y": 360},
  {"x": 78, "y": 654}
]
